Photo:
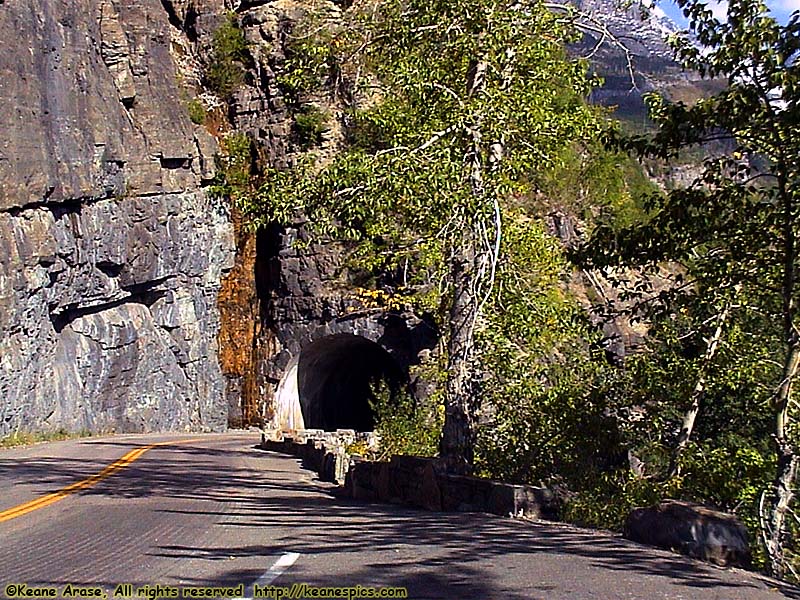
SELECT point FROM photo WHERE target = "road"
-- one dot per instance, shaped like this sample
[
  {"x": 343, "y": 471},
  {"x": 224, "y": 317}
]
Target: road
[{"x": 216, "y": 510}]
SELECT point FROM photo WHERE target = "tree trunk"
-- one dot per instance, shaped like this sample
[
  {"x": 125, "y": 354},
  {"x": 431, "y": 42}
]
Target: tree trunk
[
  {"x": 457, "y": 445},
  {"x": 698, "y": 392},
  {"x": 458, "y": 433},
  {"x": 782, "y": 488}
]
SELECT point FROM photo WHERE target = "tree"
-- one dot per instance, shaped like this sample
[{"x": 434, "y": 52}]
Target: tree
[
  {"x": 735, "y": 229},
  {"x": 452, "y": 106}
]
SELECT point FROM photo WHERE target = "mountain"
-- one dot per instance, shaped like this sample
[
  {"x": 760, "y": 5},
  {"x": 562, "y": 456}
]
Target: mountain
[{"x": 636, "y": 60}]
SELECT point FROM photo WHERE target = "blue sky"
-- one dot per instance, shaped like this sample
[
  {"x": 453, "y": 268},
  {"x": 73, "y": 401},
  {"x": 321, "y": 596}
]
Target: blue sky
[{"x": 781, "y": 9}]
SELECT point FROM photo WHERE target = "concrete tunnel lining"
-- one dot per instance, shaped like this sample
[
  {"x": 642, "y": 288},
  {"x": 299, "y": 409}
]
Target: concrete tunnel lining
[{"x": 328, "y": 385}]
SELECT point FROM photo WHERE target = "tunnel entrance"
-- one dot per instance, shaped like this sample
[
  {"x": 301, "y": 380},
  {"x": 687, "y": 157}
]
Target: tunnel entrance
[{"x": 329, "y": 385}]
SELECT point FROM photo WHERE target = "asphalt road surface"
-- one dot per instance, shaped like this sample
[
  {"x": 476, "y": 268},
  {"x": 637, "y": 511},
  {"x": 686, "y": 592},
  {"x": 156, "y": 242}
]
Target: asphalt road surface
[{"x": 217, "y": 511}]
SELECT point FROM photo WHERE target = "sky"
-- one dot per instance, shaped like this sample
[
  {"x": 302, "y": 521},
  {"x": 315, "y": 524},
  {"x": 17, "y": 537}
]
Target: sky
[{"x": 781, "y": 9}]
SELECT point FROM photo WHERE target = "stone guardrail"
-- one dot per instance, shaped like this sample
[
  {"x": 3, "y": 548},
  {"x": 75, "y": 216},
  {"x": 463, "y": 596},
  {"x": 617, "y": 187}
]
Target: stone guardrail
[
  {"x": 682, "y": 527},
  {"x": 409, "y": 480},
  {"x": 321, "y": 452}
]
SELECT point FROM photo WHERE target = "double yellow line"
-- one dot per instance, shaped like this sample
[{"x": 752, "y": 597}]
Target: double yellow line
[{"x": 47, "y": 500}]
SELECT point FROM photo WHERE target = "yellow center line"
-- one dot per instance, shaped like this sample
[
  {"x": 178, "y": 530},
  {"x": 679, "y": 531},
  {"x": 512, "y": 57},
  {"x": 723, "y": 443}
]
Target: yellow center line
[{"x": 48, "y": 499}]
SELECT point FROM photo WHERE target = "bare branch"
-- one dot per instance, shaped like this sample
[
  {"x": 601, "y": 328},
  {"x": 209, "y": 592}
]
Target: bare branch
[
  {"x": 589, "y": 24},
  {"x": 438, "y": 135}
]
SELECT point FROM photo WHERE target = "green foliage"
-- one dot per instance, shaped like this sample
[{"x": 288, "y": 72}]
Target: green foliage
[
  {"x": 731, "y": 238},
  {"x": 311, "y": 58},
  {"x": 229, "y": 57},
  {"x": 235, "y": 167},
  {"x": 544, "y": 382},
  {"x": 606, "y": 501},
  {"x": 310, "y": 123},
  {"x": 553, "y": 426},
  {"x": 729, "y": 473},
  {"x": 597, "y": 185},
  {"x": 404, "y": 425},
  {"x": 399, "y": 188},
  {"x": 730, "y": 459},
  {"x": 197, "y": 112}
]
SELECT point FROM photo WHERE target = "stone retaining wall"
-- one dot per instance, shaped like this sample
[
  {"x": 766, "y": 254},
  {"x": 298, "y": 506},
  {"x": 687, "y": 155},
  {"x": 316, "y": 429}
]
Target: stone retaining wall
[
  {"x": 682, "y": 527},
  {"x": 411, "y": 480}
]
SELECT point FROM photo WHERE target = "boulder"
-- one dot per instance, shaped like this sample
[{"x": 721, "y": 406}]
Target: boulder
[{"x": 693, "y": 530}]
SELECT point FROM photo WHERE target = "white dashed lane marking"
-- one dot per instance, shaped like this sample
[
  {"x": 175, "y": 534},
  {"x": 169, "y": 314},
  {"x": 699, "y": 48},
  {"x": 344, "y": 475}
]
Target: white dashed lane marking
[{"x": 275, "y": 571}]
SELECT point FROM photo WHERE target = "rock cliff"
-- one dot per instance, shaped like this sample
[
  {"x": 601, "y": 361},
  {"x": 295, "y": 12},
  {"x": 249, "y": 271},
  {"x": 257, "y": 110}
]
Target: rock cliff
[
  {"x": 111, "y": 251},
  {"x": 636, "y": 59},
  {"x": 131, "y": 299}
]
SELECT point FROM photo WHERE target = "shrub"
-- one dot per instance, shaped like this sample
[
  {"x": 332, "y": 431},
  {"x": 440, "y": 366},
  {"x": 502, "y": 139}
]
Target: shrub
[
  {"x": 309, "y": 125},
  {"x": 403, "y": 425},
  {"x": 197, "y": 112},
  {"x": 235, "y": 163},
  {"x": 229, "y": 58}
]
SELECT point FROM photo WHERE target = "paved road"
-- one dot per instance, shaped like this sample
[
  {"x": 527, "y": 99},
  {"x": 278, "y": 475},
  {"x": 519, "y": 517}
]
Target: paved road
[{"x": 219, "y": 511}]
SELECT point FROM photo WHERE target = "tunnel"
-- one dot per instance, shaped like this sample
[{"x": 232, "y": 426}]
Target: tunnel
[{"x": 328, "y": 386}]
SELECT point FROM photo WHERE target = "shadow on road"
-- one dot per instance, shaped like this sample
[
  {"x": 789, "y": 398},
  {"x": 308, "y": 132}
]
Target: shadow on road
[{"x": 434, "y": 555}]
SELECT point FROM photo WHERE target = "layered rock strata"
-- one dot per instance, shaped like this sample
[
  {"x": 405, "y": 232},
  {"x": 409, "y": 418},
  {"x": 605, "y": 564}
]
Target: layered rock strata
[{"x": 111, "y": 251}]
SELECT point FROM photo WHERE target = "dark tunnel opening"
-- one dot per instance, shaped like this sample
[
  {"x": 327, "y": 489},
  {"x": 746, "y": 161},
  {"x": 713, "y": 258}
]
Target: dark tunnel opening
[{"x": 334, "y": 377}]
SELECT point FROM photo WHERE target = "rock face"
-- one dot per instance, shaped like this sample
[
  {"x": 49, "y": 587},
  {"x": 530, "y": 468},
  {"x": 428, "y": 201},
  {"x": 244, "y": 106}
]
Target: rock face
[
  {"x": 111, "y": 251},
  {"x": 247, "y": 339},
  {"x": 121, "y": 306},
  {"x": 286, "y": 295},
  {"x": 693, "y": 530}
]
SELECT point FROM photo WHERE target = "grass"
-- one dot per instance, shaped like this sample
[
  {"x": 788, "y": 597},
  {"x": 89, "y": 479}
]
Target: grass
[{"x": 26, "y": 438}]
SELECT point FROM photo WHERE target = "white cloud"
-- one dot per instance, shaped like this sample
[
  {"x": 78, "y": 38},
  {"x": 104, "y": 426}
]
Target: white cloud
[
  {"x": 719, "y": 9},
  {"x": 785, "y": 5},
  {"x": 780, "y": 8}
]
